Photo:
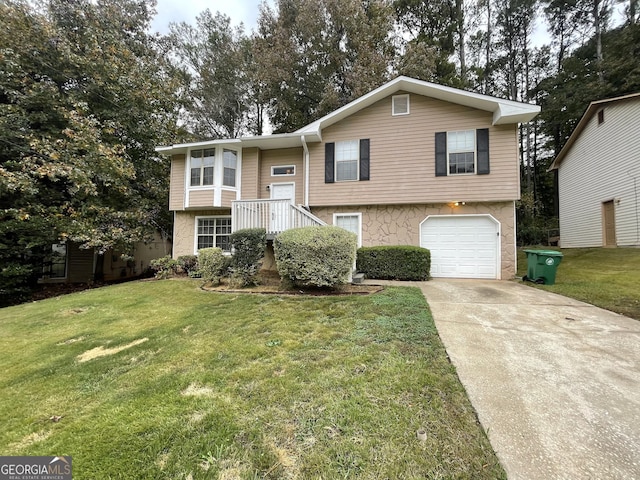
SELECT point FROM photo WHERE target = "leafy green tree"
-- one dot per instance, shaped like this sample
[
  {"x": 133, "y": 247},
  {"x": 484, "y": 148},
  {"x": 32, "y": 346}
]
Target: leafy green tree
[
  {"x": 85, "y": 97},
  {"x": 215, "y": 61},
  {"x": 318, "y": 55},
  {"x": 430, "y": 29}
]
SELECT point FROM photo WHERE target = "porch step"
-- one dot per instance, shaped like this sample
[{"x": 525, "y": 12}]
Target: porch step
[{"x": 357, "y": 278}]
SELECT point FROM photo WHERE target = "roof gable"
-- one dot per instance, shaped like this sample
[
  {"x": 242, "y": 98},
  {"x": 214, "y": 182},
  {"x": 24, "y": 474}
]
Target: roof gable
[
  {"x": 504, "y": 111},
  {"x": 591, "y": 110}
]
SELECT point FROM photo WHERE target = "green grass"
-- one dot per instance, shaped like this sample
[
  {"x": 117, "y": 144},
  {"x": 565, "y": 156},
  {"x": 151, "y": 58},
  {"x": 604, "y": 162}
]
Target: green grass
[
  {"x": 236, "y": 386},
  {"x": 606, "y": 277}
]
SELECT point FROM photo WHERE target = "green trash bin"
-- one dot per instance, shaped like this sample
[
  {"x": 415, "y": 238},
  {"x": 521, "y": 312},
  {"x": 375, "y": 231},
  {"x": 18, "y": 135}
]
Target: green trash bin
[{"x": 542, "y": 266}]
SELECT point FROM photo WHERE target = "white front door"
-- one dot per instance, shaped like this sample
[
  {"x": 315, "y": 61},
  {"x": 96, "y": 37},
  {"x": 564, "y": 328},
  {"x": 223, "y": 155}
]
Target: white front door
[{"x": 281, "y": 212}]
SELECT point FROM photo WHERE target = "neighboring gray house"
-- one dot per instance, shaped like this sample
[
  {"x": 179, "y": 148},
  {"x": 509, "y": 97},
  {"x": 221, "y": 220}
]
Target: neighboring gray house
[{"x": 599, "y": 176}]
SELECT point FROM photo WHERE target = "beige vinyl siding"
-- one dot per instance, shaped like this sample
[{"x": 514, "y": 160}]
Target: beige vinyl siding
[
  {"x": 400, "y": 224},
  {"x": 601, "y": 166},
  {"x": 201, "y": 198},
  {"x": 274, "y": 158},
  {"x": 227, "y": 197},
  {"x": 250, "y": 177},
  {"x": 402, "y": 157},
  {"x": 176, "y": 184}
]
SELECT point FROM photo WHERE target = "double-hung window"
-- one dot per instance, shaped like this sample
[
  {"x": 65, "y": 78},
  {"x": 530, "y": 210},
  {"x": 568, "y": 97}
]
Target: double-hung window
[
  {"x": 347, "y": 157},
  {"x": 202, "y": 163},
  {"x": 346, "y": 161},
  {"x": 213, "y": 232},
  {"x": 461, "y": 148},
  {"x": 464, "y": 152},
  {"x": 351, "y": 222},
  {"x": 230, "y": 160}
]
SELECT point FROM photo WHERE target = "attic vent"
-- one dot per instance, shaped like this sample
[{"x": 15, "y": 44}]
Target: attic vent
[{"x": 400, "y": 105}]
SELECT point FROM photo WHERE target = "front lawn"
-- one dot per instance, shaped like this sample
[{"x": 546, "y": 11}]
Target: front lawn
[
  {"x": 606, "y": 277},
  {"x": 164, "y": 380}
]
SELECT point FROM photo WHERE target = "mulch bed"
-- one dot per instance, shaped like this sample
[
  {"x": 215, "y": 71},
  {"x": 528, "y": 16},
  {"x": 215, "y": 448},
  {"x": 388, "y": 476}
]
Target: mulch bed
[{"x": 270, "y": 284}]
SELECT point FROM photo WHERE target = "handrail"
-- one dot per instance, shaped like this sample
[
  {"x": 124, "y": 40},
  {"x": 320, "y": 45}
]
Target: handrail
[{"x": 274, "y": 215}]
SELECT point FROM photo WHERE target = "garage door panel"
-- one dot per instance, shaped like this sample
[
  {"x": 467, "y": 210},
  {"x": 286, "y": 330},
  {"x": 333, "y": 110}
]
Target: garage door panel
[{"x": 461, "y": 246}]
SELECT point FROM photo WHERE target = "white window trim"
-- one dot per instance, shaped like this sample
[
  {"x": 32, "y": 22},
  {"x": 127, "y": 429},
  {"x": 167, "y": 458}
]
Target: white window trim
[
  {"x": 195, "y": 230},
  {"x": 475, "y": 153},
  {"x": 187, "y": 174},
  {"x": 335, "y": 163},
  {"x": 393, "y": 105},
  {"x": 218, "y": 169},
  {"x": 283, "y": 174},
  {"x": 351, "y": 214},
  {"x": 222, "y": 185}
]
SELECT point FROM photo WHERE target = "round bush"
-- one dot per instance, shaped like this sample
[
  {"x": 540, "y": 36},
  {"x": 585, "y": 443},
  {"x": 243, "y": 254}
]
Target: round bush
[{"x": 315, "y": 256}]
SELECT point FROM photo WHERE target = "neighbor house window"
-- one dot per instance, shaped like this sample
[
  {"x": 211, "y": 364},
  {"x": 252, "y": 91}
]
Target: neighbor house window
[
  {"x": 56, "y": 266},
  {"x": 230, "y": 165},
  {"x": 213, "y": 232},
  {"x": 283, "y": 171},
  {"x": 202, "y": 162},
  {"x": 351, "y": 222},
  {"x": 347, "y": 156},
  {"x": 461, "y": 149}
]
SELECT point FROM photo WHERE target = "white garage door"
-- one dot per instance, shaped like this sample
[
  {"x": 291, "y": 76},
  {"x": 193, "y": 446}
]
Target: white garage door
[{"x": 462, "y": 246}]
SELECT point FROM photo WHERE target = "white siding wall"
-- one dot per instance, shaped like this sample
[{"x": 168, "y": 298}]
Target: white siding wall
[{"x": 600, "y": 167}]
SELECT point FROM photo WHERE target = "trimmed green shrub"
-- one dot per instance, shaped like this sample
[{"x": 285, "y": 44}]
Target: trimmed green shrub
[
  {"x": 394, "y": 262},
  {"x": 211, "y": 262},
  {"x": 315, "y": 256},
  {"x": 163, "y": 267},
  {"x": 248, "y": 250}
]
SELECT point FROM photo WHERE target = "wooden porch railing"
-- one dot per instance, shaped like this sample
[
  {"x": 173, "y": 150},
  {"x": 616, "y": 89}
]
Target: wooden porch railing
[{"x": 274, "y": 216}]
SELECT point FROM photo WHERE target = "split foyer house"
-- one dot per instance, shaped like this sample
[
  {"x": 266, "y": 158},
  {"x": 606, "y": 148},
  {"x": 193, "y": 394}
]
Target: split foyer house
[
  {"x": 599, "y": 176},
  {"x": 410, "y": 163}
]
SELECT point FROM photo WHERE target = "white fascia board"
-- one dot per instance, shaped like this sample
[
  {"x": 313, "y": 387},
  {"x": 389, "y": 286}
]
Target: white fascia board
[
  {"x": 264, "y": 142},
  {"x": 282, "y": 140},
  {"x": 184, "y": 147},
  {"x": 514, "y": 113}
]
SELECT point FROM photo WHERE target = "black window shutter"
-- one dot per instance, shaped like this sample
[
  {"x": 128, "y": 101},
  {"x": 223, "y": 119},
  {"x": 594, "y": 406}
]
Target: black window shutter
[
  {"x": 441, "y": 154},
  {"x": 482, "y": 142},
  {"x": 329, "y": 151},
  {"x": 364, "y": 159}
]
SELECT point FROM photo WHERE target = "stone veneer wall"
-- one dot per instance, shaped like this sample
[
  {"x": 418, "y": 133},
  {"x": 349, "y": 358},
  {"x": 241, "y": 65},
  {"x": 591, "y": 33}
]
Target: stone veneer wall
[
  {"x": 184, "y": 229},
  {"x": 400, "y": 224}
]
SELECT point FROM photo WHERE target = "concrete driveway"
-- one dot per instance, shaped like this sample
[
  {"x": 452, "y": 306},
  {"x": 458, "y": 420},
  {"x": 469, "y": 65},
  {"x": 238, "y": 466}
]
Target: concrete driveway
[{"x": 555, "y": 382}]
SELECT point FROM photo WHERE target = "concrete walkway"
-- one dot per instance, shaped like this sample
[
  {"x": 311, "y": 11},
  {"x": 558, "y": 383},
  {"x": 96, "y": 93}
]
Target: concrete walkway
[{"x": 555, "y": 382}]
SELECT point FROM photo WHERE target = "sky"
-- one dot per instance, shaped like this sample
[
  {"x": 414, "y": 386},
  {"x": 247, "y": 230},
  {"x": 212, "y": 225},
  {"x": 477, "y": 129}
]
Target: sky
[{"x": 169, "y": 11}]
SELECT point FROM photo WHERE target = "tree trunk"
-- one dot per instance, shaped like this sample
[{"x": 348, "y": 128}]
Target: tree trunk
[
  {"x": 598, "y": 30},
  {"x": 461, "y": 38},
  {"x": 488, "y": 52}
]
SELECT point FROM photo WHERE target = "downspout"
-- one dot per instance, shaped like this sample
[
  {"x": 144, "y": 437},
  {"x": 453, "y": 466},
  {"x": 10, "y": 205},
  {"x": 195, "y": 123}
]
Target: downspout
[{"x": 306, "y": 172}]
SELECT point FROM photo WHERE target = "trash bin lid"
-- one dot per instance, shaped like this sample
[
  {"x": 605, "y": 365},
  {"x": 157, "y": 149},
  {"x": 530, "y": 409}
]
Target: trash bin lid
[{"x": 548, "y": 253}]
